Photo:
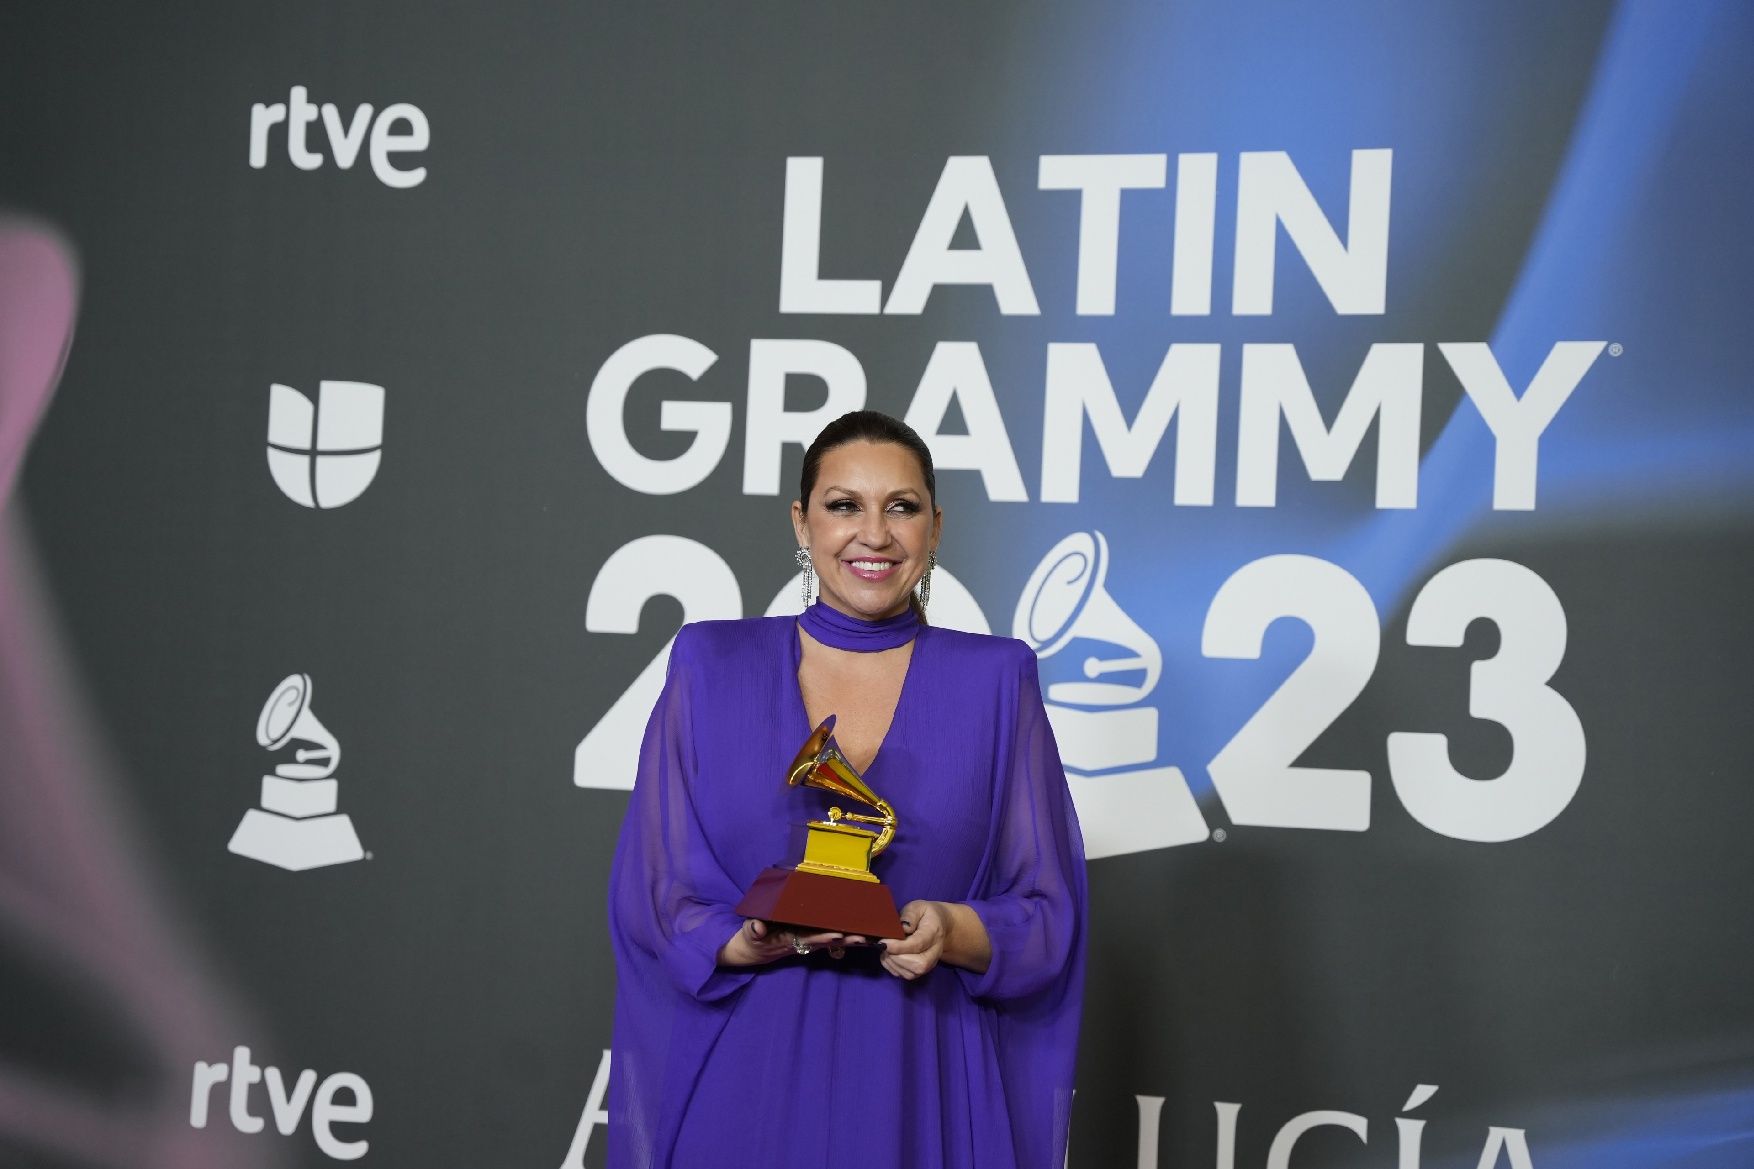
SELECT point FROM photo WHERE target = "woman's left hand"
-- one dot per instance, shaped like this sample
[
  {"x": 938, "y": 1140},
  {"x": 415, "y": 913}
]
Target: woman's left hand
[
  {"x": 938, "y": 931},
  {"x": 928, "y": 928}
]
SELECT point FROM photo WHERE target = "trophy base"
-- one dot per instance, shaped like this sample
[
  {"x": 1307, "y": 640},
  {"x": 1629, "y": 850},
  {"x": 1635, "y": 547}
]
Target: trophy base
[
  {"x": 296, "y": 845},
  {"x": 1135, "y": 811},
  {"x": 820, "y": 902}
]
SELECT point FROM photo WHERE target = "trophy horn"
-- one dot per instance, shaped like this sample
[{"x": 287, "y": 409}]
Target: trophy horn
[
  {"x": 821, "y": 765},
  {"x": 287, "y": 718},
  {"x": 1066, "y": 599}
]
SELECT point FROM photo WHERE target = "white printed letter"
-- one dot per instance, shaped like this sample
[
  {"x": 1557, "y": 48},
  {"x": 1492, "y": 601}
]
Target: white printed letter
[
  {"x": 1101, "y": 178},
  {"x": 345, "y": 140},
  {"x": 1196, "y": 217},
  {"x": 1078, "y": 387},
  {"x": 1514, "y": 1144},
  {"x": 326, "y": 1113},
  {"x": 594, "y": 1114},
  {"x": 1279, "y": 1155},
  {"x": 386, "y": 141},
  {"x": 710, "y": 422},
  {"x": 1517, "y": 423},
  {"x": 1548, "y": 748},
  {"x": 244, "y": 1076},
  {"x": 802, "y": 290},
  {"x": 262, "y": 119},
  {"x": 1387, "y": 388},
  {"x": 956, "y": 371},
  {"x": 967, "y": 185},
  {"x": 1354, "y": 274},
  {"x": 208, "y": 1076},
  {"x": 300, "y": 113},
  {"x": 288, "y": 1110},
  {"x": 769, "y": 426}
]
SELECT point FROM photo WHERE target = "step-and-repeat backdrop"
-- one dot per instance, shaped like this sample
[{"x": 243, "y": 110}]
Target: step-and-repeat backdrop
[{"x": 1349, "y": 404}]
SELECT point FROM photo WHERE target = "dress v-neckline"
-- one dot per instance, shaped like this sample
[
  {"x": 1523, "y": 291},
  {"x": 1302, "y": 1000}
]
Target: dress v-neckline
[{"x": 803, "y": 707}]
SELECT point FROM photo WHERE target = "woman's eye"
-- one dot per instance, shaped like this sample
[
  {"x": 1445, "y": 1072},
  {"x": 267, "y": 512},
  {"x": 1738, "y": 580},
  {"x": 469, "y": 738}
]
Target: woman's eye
[
  {"x": 842, "y": 505},
  {"x": 904, "y": 507}
]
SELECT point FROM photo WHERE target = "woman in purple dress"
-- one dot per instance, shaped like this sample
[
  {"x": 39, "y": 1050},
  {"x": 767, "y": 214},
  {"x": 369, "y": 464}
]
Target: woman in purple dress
[{"x": 740, "y": 1043}]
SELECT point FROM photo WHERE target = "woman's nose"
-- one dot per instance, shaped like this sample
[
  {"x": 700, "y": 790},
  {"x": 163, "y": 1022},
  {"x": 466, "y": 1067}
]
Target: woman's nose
[{"x": 874, "y": 532}]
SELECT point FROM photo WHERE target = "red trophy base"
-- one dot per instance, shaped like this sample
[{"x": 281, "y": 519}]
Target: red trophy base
[{"x": 821, "y": 902}]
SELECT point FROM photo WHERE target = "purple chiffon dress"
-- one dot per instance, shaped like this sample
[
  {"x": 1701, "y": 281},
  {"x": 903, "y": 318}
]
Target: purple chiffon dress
[{"x": 813, "y": 1061}]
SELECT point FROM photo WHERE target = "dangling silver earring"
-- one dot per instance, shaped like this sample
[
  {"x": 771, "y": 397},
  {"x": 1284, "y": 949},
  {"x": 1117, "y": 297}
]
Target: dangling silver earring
[
  {"x": 802, "y": 556},
  {"x": 924, "y": 591}
]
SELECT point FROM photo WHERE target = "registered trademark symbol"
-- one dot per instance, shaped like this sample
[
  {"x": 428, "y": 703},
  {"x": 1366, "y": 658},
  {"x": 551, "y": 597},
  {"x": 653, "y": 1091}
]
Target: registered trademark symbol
[
  {"x": 368, "y": 856},
  {"x": 1615, "y": 349},
  {"x": 1220, "y": 835}
]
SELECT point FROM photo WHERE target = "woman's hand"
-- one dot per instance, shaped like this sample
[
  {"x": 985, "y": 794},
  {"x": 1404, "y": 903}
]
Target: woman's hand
[
  {"x": 937, "y": 931},
  {"x": 756, "y": 943}
]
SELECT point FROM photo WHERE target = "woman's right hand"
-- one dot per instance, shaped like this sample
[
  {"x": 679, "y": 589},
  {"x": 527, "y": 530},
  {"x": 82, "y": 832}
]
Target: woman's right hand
[{"x": 756, "y": 943}]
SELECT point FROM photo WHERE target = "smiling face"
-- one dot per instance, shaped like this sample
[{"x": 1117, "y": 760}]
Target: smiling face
[{"x": 868, "y": 524}]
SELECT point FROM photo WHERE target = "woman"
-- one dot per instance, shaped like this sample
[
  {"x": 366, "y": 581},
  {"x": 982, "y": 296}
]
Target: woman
[{"x": 740, "y": 1043}]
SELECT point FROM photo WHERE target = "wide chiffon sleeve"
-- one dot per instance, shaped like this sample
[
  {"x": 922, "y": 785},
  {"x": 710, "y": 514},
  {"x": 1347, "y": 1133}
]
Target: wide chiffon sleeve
[
  {"x": 669, "y": 912},
  {"x": 1032, "y": 900},
  {"x": 670, "y": 902}
]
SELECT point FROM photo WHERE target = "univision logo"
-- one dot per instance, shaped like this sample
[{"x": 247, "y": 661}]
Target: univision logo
[{"x": 324, "y": 454}]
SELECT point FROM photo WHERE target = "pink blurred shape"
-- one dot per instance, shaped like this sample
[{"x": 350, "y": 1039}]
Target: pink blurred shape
[
  {"x": 39, "y": 295},
  {"x": 76, "y": 896}
]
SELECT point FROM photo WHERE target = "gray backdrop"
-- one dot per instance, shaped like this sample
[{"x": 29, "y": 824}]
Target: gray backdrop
[{"x": 1542, "y": 918}]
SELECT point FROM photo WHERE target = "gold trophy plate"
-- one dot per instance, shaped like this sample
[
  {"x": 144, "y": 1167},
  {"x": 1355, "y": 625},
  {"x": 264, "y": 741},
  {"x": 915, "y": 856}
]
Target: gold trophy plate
[{"x": 833, "y": 887}]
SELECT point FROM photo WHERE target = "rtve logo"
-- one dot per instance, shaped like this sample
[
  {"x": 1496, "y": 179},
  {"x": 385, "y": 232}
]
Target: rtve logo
[
  {"x": 286, "y": 1102},
  {"x": 297, "y": 113},
  {"x": 325, "y": 453}
]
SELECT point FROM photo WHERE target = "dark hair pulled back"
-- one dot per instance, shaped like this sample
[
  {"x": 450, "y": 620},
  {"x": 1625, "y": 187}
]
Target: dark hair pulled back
[{"x": 864, "y": 426}]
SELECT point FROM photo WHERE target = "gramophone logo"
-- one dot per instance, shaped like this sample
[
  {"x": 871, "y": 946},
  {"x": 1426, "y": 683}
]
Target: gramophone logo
[
  {"x": 297, "y": 826},
  {"x": 325, "y": 454},
  {"x": 1106, "y": 733}
]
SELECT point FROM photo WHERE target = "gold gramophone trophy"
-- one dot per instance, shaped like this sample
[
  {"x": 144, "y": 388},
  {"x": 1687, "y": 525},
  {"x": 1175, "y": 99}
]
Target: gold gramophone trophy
[{"x": 833, "y": 887}]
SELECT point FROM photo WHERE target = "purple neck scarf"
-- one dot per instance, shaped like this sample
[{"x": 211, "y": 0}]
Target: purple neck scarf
[{"x": 835, "y": 629}]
